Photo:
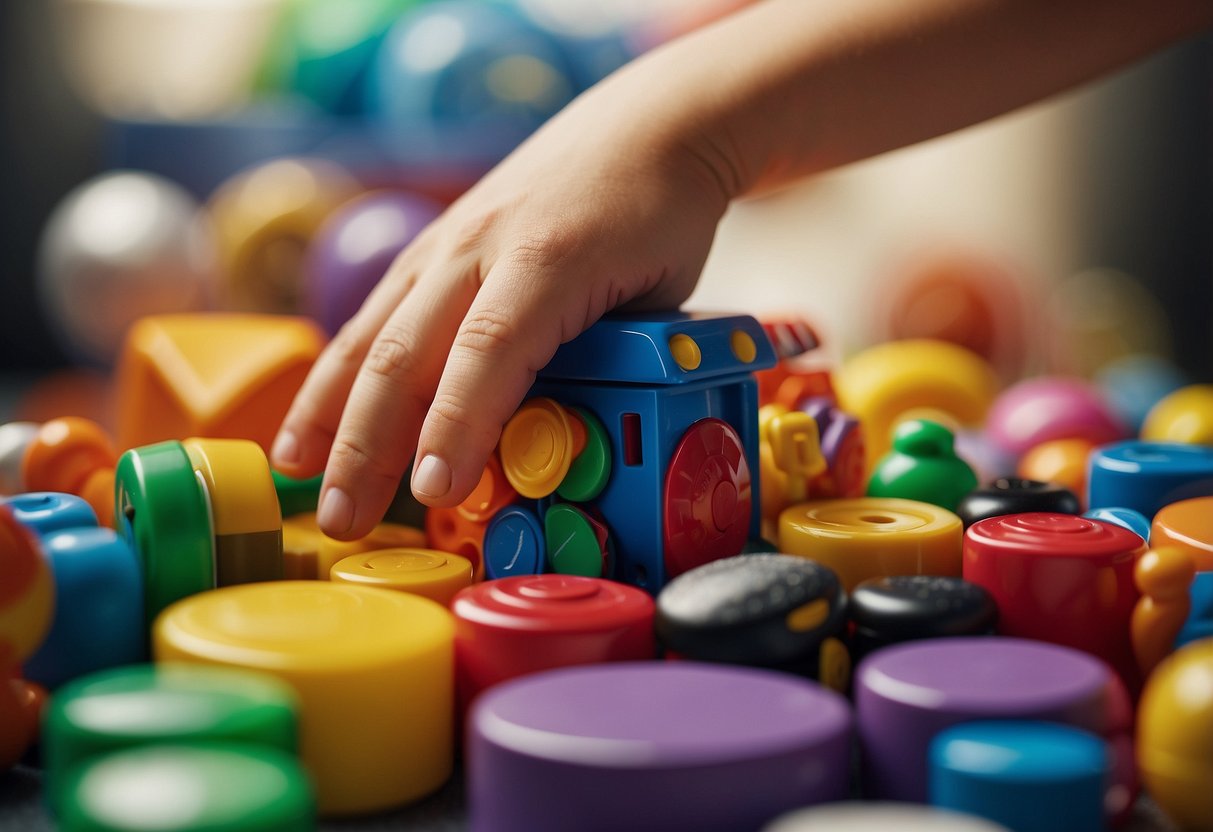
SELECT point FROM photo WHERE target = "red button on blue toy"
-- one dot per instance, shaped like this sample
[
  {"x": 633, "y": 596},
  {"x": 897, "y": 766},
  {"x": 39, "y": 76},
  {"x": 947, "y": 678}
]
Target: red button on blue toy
[
  {"x": 519, "y": 625},
  {"x": 707, "y": 497}
]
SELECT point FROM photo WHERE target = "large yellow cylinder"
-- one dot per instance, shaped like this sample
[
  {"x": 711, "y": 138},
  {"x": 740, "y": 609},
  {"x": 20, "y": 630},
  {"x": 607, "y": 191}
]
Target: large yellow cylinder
[{"x": 373, "y": 669}]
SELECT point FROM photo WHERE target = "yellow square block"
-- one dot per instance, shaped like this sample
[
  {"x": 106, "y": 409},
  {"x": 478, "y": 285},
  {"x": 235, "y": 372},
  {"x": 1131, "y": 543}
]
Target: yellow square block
[{"x": 222, "y": 376}]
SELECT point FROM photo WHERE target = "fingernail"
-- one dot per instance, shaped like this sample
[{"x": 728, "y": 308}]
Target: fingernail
[
  {"x": 335, "y": 514},
  {"x": 286, "y": 449},
  {"x": 432, "y": 477}
]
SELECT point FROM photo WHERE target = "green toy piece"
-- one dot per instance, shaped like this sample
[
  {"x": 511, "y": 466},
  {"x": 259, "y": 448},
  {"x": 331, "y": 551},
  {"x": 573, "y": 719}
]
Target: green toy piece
[
  {"x": 923, "y": 466},
  {"x": 576, "y": 544},
  {"x": 163, "y": 512},
  {"x": 297, "y": 496},
  {"x": 179, "y": 704},
  {"x": 590, "y": 471},
  {"x": 189, "y": 788}
]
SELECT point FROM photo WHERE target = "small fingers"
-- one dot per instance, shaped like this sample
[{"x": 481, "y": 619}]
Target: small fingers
[
  {"x": 511, "y": 330},
  {"x": 387, "y": 401},
  {"x": 306, "y": 435}
]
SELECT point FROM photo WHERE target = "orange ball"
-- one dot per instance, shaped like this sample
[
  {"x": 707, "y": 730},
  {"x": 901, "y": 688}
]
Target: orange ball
[
  {"x": 65, "y": 453},
  {"x": 1063, "y": 461}
]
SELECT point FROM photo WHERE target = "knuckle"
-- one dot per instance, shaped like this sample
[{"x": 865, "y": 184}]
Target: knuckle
[
  {"x": 548, "y": 248},
  {"x": 487, "y": 332},
  {"x": 392, "y": 354},
  {"x": 475, "y": 232},
  {"x": 348, "y": 345},
  {"x": 355, "y": 458},
  {"x": 450, "y": 414}
]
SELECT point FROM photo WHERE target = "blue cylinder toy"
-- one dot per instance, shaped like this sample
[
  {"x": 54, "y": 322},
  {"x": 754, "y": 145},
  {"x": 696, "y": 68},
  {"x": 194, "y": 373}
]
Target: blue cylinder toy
[{"x": 1028, "y": 776}]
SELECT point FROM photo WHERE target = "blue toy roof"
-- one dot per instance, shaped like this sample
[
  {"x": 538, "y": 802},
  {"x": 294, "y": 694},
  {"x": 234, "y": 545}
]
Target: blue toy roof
[{"x": 636, "y": 349}]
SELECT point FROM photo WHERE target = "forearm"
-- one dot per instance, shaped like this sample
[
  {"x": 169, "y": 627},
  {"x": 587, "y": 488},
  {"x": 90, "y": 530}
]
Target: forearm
[{"x": 788, "y": 88}]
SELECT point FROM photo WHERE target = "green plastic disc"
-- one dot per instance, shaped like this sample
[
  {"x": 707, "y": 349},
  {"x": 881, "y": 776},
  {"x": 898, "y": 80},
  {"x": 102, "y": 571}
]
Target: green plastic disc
[
  {"x": 574, "y": 545},
  {"x": 590, "y": 471},
  {"x": 184, "y": 788},
  {"x": 297, "y": 496},
  {"x": 163, "y": 513},
  {"x": 166, "y": 703}
]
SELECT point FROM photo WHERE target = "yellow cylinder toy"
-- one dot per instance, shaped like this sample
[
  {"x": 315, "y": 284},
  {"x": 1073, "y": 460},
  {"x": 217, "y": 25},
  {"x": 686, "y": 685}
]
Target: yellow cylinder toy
[
  {"x": 374, "y": 671},
  {"x": 874, "y": 537}
]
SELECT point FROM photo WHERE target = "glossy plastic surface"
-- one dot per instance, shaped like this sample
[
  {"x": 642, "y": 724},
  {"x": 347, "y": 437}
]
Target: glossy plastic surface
[
  {"x": 883, "y": 383},
  {"x": 173, "y": 788},
  {"x": 65, "y": 453},
  {"x": 98, "y": 620},
  {"x": 1146, "y": 476},
  {"x": 372, "y": 669},
  {"x": 1026, "y": 775},
  {"x": 898, "y": 608},
  {"x": 161, "y": 511},
  {"x": 245, "y": 516},
  {"x": 166, "y": 703},
  {"x": 1011, "y": 495},
  {"x": 44, "y": 512},
  {"x": 1060, "y": 578},
  {"x": 1187, "y": 524},
  {"x": 309, "y": 554},
  {"x": 1051, "y": 407},
  {"x": 761, "y": 610},
  {"x": 872, "y": 537},
  {"x": 425, "y": 572},
  {"x": 708, "y": 497},
  {"x": 224, "y": 376},
  {"x": 557, "y": 750},
  {"x": 922, "y": 466},
  {"x": 1185, "y": 415},
  {"x": 519, "y": 625},
  {"x": 906, "y": 694},
  {"x": 1175, "y": 720}
]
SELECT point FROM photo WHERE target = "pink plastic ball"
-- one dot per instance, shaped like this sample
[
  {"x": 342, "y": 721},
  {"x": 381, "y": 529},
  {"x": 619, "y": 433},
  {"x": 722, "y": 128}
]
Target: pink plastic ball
[{"x": 1051, "y": 407}]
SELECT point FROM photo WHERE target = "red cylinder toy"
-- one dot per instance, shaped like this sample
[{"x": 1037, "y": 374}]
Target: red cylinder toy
[
  {"x": 1063, "y": 579},
  {"x": 519, "y": 625}
]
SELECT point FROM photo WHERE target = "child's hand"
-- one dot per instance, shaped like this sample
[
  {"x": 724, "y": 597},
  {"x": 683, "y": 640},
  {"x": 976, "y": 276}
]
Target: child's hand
[
  {"x": 598, "y": 209},
  {"x": 616, "y": 200}
]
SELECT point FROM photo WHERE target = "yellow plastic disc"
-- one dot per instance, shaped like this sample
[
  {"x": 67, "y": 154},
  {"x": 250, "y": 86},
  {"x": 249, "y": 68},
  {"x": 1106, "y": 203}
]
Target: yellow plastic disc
[
  {"x": 309, "y": 554},
  {"x": 872, "y": 537},
  {"x": 374, "y": 671},
  {"x": 432, "y": 574},
  {"x": 537, "y": 448}
]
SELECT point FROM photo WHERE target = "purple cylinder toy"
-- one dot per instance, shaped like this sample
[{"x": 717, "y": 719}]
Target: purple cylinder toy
[
  {"x": 905, "y": 695},
  {"x": 653, "y": 746},
  {"x": 355, "y": 247}
]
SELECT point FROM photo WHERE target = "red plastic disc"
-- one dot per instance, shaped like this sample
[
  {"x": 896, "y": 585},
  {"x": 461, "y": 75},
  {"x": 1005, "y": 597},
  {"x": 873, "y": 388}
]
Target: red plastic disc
[{"x": 707, "y": 497}]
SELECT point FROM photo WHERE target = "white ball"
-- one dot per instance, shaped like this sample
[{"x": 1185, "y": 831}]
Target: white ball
[
  {"x": 119, "y": 247},
  {"x": 15, "y": 437}
]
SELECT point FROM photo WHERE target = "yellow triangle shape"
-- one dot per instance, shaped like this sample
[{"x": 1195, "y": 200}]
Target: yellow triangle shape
[{"x": 212, "y": 362}]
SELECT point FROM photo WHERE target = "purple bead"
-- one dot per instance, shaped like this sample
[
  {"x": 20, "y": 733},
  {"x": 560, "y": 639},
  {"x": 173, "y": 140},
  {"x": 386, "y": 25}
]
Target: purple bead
[
  {"x": 355, "y": 247},
  {"x": 905, "y": 695},
  {"x": 653, "y": 746}
]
